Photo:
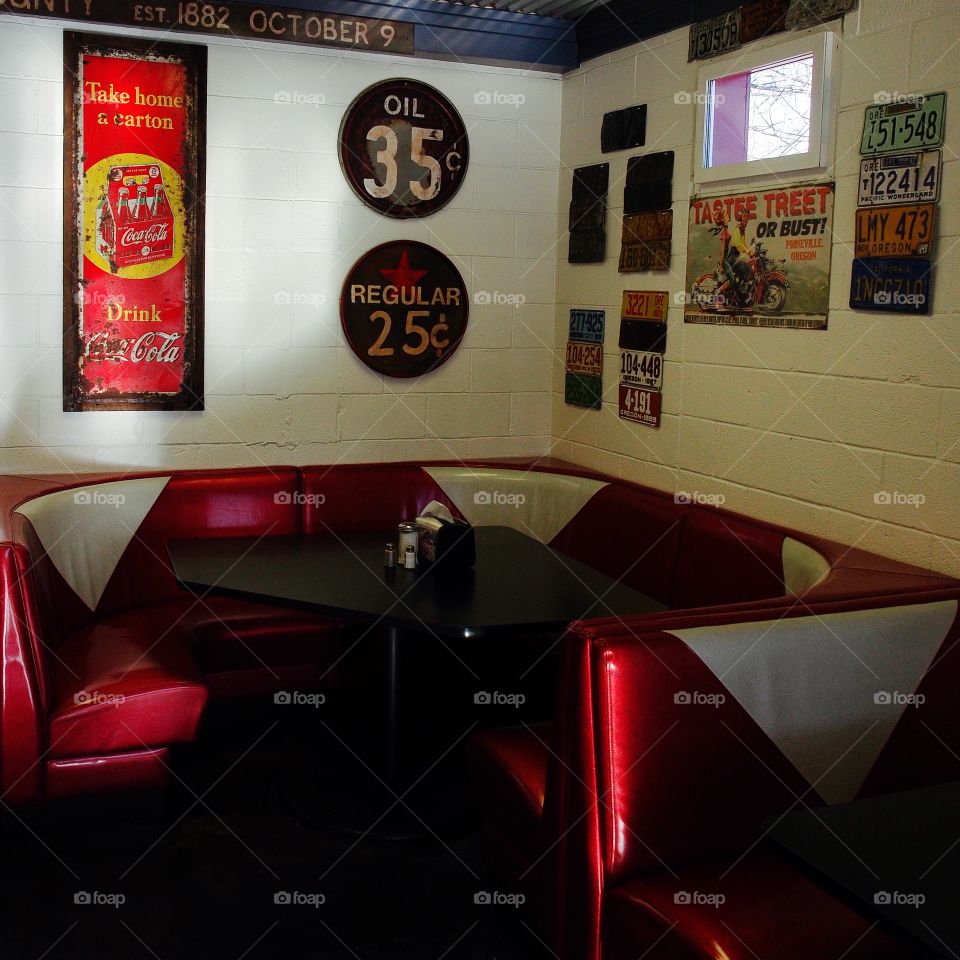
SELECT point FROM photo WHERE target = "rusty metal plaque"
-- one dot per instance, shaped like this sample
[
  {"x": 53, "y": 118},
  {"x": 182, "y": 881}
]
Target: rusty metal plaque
[
  {"x": 403, "y": 148},
  {"x": 404, "y": 308}
]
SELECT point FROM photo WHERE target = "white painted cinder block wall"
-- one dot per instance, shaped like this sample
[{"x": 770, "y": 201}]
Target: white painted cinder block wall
[
  {"x": 283, "y": 228},
  {"x": 798, "y": 427}
]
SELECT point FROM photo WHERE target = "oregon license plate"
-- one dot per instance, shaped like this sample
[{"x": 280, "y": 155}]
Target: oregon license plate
[
  {"x": 641, "y": 369},
  {"x": 912, "y": 123},
  {"x": 587, "y": 325},
  {"x": 904, "y": 231},
  {"x": 891, "y": 285},
  {"x": 639, "y": 405},
  {"x": 900, "y": 178},
  {"x": 710, "y": 37},
  {"x": 645, "y": 304},
  {"x": 585, "y": 358},
  {"x": 582, "y": 390},
  {"x": 645, "y": 256}
]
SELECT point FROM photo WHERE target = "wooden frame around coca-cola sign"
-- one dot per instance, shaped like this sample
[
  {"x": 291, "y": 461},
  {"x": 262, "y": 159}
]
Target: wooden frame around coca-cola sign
[{"x": 134, "y": 179}]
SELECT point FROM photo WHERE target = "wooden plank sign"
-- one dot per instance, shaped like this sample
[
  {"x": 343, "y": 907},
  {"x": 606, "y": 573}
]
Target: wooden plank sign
[
  {"x": 247, "y": 21},
  {"x": 134, "y": 152}
]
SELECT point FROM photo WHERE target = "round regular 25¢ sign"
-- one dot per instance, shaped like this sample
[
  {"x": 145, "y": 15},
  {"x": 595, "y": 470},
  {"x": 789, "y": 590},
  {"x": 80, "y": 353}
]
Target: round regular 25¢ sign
[
  {"x": 404, "y": 308},
  {"x": 403, "y": 148}
]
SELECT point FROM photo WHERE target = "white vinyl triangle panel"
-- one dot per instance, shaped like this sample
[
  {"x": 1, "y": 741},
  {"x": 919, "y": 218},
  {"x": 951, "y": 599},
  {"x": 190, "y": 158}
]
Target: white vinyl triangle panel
[
  {"x": 85, "y": 530},
  {"x": 827, "y": 690}
]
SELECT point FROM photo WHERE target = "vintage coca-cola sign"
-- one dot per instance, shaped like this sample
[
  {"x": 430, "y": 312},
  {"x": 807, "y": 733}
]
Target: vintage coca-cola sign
[{"x": 133, "y": 231}]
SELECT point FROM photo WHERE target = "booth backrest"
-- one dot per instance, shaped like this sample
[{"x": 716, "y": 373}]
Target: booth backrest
[
  {"x": 630, "y": 535},
  {"x": 100, "y": 549},
  {"x": 705, "y": 732}
]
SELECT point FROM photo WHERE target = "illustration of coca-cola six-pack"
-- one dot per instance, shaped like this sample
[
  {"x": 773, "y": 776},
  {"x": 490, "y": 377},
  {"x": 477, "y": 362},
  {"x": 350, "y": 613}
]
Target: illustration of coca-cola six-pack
[{"x": 134, "y": 218}]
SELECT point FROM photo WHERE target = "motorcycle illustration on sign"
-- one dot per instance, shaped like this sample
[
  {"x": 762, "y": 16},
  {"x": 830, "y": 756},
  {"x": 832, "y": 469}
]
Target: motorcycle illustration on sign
[{"x": 767, "y": 258}]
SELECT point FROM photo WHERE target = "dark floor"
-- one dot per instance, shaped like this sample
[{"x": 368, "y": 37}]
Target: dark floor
[{"x": 199, "y": 875}]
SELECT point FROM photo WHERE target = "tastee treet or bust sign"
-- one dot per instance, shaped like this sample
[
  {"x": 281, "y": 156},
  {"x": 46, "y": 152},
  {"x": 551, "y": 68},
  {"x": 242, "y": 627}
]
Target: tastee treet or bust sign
[
  {"x": 404, "y": 308},
  {"x": 403, "y": 148}
]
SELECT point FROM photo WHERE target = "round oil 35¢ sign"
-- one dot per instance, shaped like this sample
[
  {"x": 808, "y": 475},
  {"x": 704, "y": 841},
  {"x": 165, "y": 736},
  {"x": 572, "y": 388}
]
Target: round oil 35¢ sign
[
  {"x": 404, "y": 308},
  {"x": 403, "y": 148}
]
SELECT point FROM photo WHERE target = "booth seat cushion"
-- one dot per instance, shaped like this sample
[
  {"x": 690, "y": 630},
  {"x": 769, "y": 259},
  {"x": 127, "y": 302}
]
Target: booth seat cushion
[
  {"x": 629, "y": 534},
  {"x": 125, "y": 683},
  {"x": 509, "y": 767},
  {"x": 723, "y": 559},
  {"x": 768, "y": 909}
]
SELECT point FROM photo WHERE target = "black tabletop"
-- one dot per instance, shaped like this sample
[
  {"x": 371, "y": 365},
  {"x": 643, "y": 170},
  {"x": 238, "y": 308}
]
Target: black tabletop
[
  {"x": 896, "y": 855},
  {"x": 517, "y": 581}
]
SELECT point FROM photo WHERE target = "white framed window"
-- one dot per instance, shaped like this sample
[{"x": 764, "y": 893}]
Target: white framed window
[{"x": 766, "y": 111}]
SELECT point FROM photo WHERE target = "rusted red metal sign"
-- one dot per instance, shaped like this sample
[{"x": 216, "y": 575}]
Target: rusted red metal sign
[
  {"x": 404, "y": 308},
  {"x": 133, "y": 266},
  {"x": 403, "y": 148}
]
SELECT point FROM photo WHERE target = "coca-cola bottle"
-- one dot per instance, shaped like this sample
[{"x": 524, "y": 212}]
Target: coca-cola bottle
[
  {"x": 105, "y": 223},
  {"x": 161, "y": 208},
  {"x": 123, "y": 205},
  {"x": 141, "y": 212}
]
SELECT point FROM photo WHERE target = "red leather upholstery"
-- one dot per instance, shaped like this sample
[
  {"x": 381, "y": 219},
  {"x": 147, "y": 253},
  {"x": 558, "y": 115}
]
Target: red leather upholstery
[
  {"x": 644, "y": 552},
  {"x": 768, "y": 910},
  {"x": 223, "y": 503},
  {"x": 129, "y": 770},
  {"x": 725, "y": 559},
  {"x": 22, "y": 710},
  {"x": 366, "y": 498},
  {"x": 125, "y": 683},
  {"x": 509, "y": 776}
]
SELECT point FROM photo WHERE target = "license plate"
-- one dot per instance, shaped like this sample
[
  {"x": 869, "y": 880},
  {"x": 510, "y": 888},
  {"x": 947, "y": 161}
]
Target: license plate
[
  {"x": 911, "y": 124},
  {"x": 640, "y": 406},
  {"x": 643, "y": 227},
  {"x": 710, "y": 37},
  {"x": 905, "y": 231},
  {"x": 900, "y": 178},
  {"x": 584, "y": 358},
  {"x": 587, "y": 325},
  {"x": 645, "y": 304},
  {"x": 641, "y": 369},
  {"x": 581, "y": 390},
  {"x": 645, "y": 256},
  {"x": 647, "y": 336},
  {"x": 891, "y": 285}
]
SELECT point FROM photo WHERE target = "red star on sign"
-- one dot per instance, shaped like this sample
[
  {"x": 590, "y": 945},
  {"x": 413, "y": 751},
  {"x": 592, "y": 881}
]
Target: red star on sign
[{"x": 402, "y": 275}]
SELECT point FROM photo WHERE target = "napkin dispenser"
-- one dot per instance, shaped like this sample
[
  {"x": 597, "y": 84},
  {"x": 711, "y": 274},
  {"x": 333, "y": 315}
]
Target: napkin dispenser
[{"x": 444, "y": 538}]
